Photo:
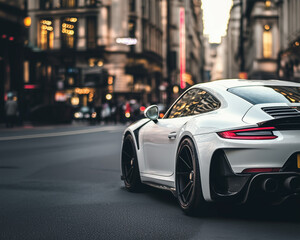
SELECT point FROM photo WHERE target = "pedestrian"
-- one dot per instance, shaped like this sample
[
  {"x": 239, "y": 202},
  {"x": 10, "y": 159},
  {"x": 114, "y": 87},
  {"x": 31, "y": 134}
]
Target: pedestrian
[
  {"x": 114, "y": 113},
  {"x": 11, "y": 111},
  {"x": 105, "y": 113}
]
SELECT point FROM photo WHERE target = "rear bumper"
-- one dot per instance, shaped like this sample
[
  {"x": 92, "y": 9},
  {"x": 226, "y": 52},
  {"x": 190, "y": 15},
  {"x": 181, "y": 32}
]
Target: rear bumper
[{"x": 273, "y": 188}]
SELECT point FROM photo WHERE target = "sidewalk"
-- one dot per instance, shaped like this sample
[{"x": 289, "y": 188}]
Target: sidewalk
[{"x": 29, "y": 125}]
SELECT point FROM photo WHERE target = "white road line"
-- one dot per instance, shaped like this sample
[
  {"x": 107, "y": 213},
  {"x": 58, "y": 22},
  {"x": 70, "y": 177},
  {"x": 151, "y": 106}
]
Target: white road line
[{"x": 59, "y": 134}]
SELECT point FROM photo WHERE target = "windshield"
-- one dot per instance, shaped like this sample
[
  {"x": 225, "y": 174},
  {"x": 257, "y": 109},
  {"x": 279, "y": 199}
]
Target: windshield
[{"x": 267, "y": 94}]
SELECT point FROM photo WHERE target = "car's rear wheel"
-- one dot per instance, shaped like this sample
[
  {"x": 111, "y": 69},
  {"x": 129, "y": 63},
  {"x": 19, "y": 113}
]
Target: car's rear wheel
[
  {"x": 130, "y": 167},
  {"x": 188, "y": 184}
]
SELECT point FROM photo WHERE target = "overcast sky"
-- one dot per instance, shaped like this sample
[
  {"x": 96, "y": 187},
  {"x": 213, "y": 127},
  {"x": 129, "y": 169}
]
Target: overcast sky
[{"x": 215, "y": 17}]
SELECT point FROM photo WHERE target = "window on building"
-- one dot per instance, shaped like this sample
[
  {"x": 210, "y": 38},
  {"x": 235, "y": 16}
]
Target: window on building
[
  {"x": 45, "y": 34},
  {"x": 144, "y": 7},
  {"x": 267, "y": 42},
  {"x": 90, "y": 3},
  {"x": 68, "y": 3},
  {"x": 69, "y": 32},
  {"x": 131, "y": 28},
  {"x": 91, "y": 31},
  {"x": 46, "y": 4},
  {"x": 132, "y": 5}
]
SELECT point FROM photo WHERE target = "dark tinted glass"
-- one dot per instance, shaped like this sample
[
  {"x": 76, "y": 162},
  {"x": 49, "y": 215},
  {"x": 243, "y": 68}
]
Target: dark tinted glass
[
  {"x": 194, "y": 102},
  {"x": 267, "y": 94},
  {"x": 205, "y": 102}
]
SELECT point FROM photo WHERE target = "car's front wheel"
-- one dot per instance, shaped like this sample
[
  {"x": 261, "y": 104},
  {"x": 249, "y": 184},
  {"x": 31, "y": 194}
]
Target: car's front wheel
[
  {"x": 188, "y": 184},
  {"x": 130, "y": 167}
]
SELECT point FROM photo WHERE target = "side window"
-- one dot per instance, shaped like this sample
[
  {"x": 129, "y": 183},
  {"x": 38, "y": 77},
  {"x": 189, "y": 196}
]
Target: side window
[
  {"x": 182, "y": 107},
  {"x": 194, "y": 102},
  {"x": 205, "y": 102}
]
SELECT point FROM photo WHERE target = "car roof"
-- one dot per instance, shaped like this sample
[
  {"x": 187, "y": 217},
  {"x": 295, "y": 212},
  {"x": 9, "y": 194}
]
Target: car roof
[{"x": 230, "y": 83}]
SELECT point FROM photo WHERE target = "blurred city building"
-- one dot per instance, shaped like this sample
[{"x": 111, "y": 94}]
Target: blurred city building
[
  {"x": 12, "y": 36},
  {"x": 86, "y": 49},
  {"x": 209, "y": 56},
  {"x": 87, "y": 52},
  {"x": 289, "y": 56},
  {"x": 186, "y": 55},
  {"x": 218, "y": 70},
  {"x": 231, "y": 62},
  {"x": 260, "y": 39}
]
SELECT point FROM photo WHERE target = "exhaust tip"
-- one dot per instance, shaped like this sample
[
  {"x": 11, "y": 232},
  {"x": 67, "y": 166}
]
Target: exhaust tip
[
  {"x": 270, "y": 185},
  {"x": 292, "y": 183}
]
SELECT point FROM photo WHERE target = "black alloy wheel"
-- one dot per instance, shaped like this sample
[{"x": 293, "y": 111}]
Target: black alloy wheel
[
  {"x": 130, "y": 168},
  {"x": 188, "y": 185}
]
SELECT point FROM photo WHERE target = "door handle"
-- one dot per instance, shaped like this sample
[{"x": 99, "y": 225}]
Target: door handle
[{"x": 172, "y": 135}]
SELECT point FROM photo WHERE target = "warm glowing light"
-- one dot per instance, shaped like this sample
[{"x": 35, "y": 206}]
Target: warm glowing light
[
  {"x": 92, "y": 62},
  {"x": 81, "y": 91},
  {"x": 243, "y": 75},
  {"x": 11, "y": 38},
  {"x": 94, "y": 115},
  {"x": 91, "y": 97},
  {"x": 75, "y": 100},
  {"x": 188, "y": 78},
  {"x": 297, "y": 44},
  {"x": 27, "y": 21},
  {"x": 110, "y": 88},
  {"x": 60, "y": 97},
  {"x": 78, "y": 114},
  {"x": 100, "y": 64},
  {"x": 46, "y": 22},
  {"x": 4, "y": 36},
  {"x": 142, "y": 108},
  {"x": 268, "y": 3},
  {"x": 267, "y": 44},
  {"x": 127, "y": 114},
  {"x": 108, "y": 96},
  {"x": 73, "y": 20},
  {"x": 175, "y": 89},
  {"x": 267, "y": 27},
  {"x": 67, "y": 31},
  {"x": 161, "y": 115},
  {"x": 110, "y": 80}
]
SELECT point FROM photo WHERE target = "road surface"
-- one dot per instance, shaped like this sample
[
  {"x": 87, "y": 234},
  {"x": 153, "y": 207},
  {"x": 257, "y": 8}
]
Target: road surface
[{"x": 64, "y": 183}]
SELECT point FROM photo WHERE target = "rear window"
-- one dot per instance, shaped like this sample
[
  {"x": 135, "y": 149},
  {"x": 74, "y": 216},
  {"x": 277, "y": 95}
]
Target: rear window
[{"x": 267, "y": 94}]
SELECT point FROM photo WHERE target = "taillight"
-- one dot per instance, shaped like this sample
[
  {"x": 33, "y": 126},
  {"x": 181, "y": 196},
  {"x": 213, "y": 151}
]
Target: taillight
[
  {"x": 261, "y": 133},
  {"x": 259, "y": 170}
]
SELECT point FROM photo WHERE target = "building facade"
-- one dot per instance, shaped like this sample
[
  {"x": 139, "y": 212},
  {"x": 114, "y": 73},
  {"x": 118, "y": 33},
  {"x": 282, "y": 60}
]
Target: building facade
[
  {"x": 289, "y": 56},
  {"x": 231, "y": 63},
  {"x": 260, "y": 39},
  {"x": 85, "y": 50},
  {"x": 186, "y": 43},
  {"x": 12, "y": 35}
]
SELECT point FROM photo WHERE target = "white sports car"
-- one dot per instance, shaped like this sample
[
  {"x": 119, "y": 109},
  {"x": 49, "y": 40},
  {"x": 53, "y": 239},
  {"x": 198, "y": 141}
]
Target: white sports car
[{"x": 228, "y": 140}]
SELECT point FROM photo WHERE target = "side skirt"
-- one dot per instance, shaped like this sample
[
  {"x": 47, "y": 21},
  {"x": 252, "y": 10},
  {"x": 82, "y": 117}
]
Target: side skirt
[{"x": 163, "y": 187}]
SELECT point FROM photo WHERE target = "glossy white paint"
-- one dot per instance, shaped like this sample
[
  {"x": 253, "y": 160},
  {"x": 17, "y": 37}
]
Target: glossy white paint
[{"x": 157, "y": 152}]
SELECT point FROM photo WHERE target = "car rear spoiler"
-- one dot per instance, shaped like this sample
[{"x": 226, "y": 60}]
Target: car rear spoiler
[{"x": 286, "y": 123}]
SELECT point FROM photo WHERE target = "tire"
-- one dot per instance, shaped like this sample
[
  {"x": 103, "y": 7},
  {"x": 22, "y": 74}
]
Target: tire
[
  {"x": 130, "y": 167},
  {"x": 188, "y": 184}
]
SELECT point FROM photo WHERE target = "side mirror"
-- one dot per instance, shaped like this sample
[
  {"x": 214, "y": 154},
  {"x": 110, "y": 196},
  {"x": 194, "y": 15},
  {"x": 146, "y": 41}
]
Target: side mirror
[{"x": 152, "y": 113}]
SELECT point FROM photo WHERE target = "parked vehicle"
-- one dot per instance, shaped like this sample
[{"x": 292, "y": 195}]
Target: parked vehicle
[
  {"x": 85, "y": 113},
  {"x": 224, "y": 141}
]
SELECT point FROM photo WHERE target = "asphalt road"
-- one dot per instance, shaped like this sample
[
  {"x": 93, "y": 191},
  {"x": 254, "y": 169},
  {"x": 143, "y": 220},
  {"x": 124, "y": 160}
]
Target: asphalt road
[{"x": 64, "y": 183}]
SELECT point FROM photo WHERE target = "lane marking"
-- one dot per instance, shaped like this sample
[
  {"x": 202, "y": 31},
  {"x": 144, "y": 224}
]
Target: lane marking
[{"x": 60, "y": 134}]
